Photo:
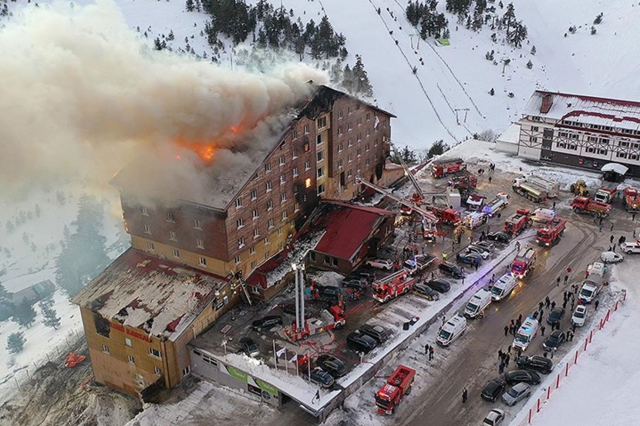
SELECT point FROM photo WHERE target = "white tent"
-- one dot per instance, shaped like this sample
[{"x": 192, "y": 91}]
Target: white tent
[{"x": 616, "y": 168}]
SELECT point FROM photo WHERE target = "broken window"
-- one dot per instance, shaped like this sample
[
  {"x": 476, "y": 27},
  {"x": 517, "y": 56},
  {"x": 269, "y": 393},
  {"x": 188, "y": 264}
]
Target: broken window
[{"x": 102, "y": 326}]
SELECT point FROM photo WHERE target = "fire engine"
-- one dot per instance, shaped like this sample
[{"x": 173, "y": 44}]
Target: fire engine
[
  {"x": 551, "y": 232},
  {"x": 529, "y": 190},
  {"x": 393, "y": 285},
  {"x": 331, "y": 318},
  {"x": 517, "y": 222},
  {"x": 441, "y": 168},
  {"x": 524, "y": 262},
  {"x": 494, "y": 206},
  {"x": 589, "y": 206},
  {"x": 607, "y": 193},
  {"x": 397, "y": 386},
  {"x": 631, "y": 199}
]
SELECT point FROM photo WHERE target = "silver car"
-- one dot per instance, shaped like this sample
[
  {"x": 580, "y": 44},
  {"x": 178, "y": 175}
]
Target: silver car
[
  {"x": 494, "y": 418},
  {"x": 516, "y": 393}
]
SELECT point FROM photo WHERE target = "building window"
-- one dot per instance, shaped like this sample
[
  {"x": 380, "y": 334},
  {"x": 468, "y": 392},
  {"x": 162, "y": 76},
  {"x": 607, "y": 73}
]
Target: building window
[
  {"x": 535, "y": 129},
  {"x": 267, "y": 168},
  {"x": 170, "y": 217},
  {"x": 349, "y": 174},
  {"x": 350, "y": 143},
  {"x": 307, "y": 184},
  {"x": 280, "y": 246},
  {"x": 359, "y": 122},
  {"x": 320, "y": 156},
  {"x": 295, "y": 153},
  {"x": 269, "y": 187},
  {"x": 147, "y": 229},
  {"x": 621, "y": 155},
  {"x": 334, "y": 261},
  {"x": 340, "y": 114},
  {"x": 295, "y": 172},
  {"x": 127, "y": 342},
  {"x": 307, "y": 165},
  {"x": 367, "y": 162},
  {"x": 131, "y": 359},
  {"x": 266, "y": 255},
  {"x": 602, "y": 151},
  {"x": 306, "y": 129},
  {"x": 150, "y": 246},
  {"x": 533, "y": 139},
  {"x": 281, "y": 161},
  {"x": 294, "y": 134},
  {"x": 266, "y": 241},
  {"x": 283, "y": 197},
  {"x": 375, "y": 142},
  {"x": 269, "y": 205},
  {"x": 279, "y": 231},
  {"x": 319, "y": 139},
  {"x": 312, "y": 256},
  {"x": 144, "y": 211},
  {"x": 367, "y": 148},
  {"x": 176, "y": 253},
  {"x": 284, "y": 215},
  {"x": 350, "y": 127},
  {"x": 349, "y": 158},
  {"x": 340, "y": 131},
  {"x": 320, "y": 172},
  {"x": 368, "y": 116},
  {"x": 197, "y": 224},
  {"x": 186, "y": 371},
  {"x": 327, "y": 260},
  {"x": 340, "y": 148},
  {"x": 254, "y": 194},
  {"x": 199, "y": 243},
  {"x": 256, "y": 233},
  {"x": 240, "y": 223},
  {"x": 320, "y": 189},
  {"x": 172, "y": 236},
  {"x": 202, "y": 261},
  {"x": 105, "y": 349},
  {"x": 368, "y": 133},
  {"x": 296, "y": 207},
  {"x": 254, "y": 214},
  {"x": 237, "y": 259},
  {"x": 252, "y": 250},
  {"x": 321, "y": 122},
  {"x": 155, "y": 353},
  {"x": 253, "y": 266},
  {"x": 283, "y": 179},
  {"x": 270, "y": 223},
  {"x": 340, "y": 164},
  {"x": 359, "y": 152},
  {"x": 238, "y": 202},
  {"x": 306, "y": 147},
  {"x": 158, "y": 371}
]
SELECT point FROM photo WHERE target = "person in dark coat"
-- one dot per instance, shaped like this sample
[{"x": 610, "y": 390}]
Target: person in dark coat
[
  {"x": 542, "y": 329},
  {"x": 465, "y": 395},
  {"x": 506, "y": 360},
  {"x": 506, "y": 330},
  {"x": 596, "y": 304},
  {"x": 540, "y": 306},
  {"x": 553, "y": 305},
  {"x": 501, "y": 368},
  {"x": 500, "y": 354},
  {"x": 547, "y": 301}
]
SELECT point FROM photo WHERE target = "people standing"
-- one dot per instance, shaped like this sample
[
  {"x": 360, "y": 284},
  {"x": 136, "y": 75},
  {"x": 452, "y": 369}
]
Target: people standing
[
  {"x": 501, "y": 368},
  {"x": 431, "y": 352},
  {"x": 426, "y": 349},
  {"x": 465, "y": 394},
  {"x": 611, "y": 227},
  {"x": 611, "y": 239},
  {"x": 547, "y": 301},
  {"x": 506, "y": 330},
  {"x": 542, "y": 328},
  {"x": 506, "y": 360},
  {"x": 566, "y": 279},
  {"x": 596, "y": 304},
  {"x": 553, "y": 305},
  {"x": 558, "y": 282}
]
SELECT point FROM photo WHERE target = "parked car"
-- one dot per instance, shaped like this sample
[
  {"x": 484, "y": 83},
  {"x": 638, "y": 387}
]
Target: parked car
[
  {"x": 267, "y": 322},
  {"x": 611, "y": 257},
  {"x": 536, "y": 363},
  {"x": 494, "y": 418},
  {"x": 328, "y": 292},
  {"x": 361, "y": 342},
  {"x": 517, "y": 393},
  {"x": 521, "y": 376},
  {"x": 380, "y": 264},
  {"x": 484, "y": 254},
  {"x": 555, "y": 315},
  {"x": 319, "y": 377},
  {"x": 332, "y": 365},
  {"x": 249, "y": 347},
  {"x": 359, "y": 284},
  {"x": 439, "y": 285},
  {"x": 290, "y": 309},
  {"x": 418, "y": 263},
  {"x": 426, "y": 291},
  {"x": 487, "y": 245},
  {"x": 493, "y": 389},
  {"x": 579, "y": 315},
  {"x": 451, "y": 269},
  {"x": 631, "y": 247},
  {"x": 555, "y": 339},
  {"x": 379, "y": 333},
  {"x": 499, "y": 237},
  {"x": 469, "y": 258}
]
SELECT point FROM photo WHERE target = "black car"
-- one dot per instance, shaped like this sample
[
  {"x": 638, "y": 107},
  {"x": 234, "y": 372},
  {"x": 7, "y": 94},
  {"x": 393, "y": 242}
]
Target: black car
[
  {"x": 290, "y": 309},
  {"x": 439, "y": 285},
  {"x": 426, "y": 291},
  {"x": 469, "y": 258},
  {"x": 328, "y": 292},
  {"x": 379, "y": 333},
  {"x": 521, "y": 376},
  {"x": 267, "y": 323},
  {"x": 555, "y": 315},
  {"x": 361, "y": 342},
  {"x": 535, "y": 362},
  {"x": 451, "y": 269},
  {"x": 493, "y": 390},
  {"x": 554, "y": 340},
  {"x": 359, "y": 284},
  {"x": 499, "y": 237},
  {"x": 249, "y": 347},
  {"x": 332, "y": 365},
  {"x": 319, "y": 377}
]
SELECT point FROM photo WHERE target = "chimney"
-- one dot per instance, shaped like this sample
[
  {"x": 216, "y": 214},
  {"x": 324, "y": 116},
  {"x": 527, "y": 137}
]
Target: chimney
[{"x": 547, "y": 101}]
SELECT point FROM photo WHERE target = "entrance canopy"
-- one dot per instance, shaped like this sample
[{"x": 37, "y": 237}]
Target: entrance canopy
[{"x": 616, "y": 168}]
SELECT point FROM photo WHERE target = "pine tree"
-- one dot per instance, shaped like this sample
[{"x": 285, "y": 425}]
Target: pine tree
[
  {"x": 533, "y": 50},
  {"x": 190, "y": 6},
  {"x": 50, "y": 317},
  {"x": 15, "y": 343},
  {"x": 492, "y": 92},
  {"x": 438, "y": 148},
  {"x": 509, "y": 17},
  {"x": 529, "y": 64},
  {"x": 598, "y": 19},
  {"x": 362, "y": 84},
  {"x": 24, "y": 314}
]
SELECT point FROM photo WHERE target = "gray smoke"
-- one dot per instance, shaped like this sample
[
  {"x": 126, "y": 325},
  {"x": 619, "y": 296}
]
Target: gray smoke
[{"x": 82, "y": 95}]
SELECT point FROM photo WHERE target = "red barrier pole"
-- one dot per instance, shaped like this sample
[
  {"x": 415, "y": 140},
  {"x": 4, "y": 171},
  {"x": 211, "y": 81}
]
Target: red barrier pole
[
  {"x": 615, "y": 308},
  {"x": 575, "y": 361},
  {"x": 558, "y": 381},
  {"x": 548, "y": 392},
  {"x": 590, "y": 336},
  {"x": 586, "y": 341},
  {"x": 606, "y": 318},
  {"x": 530, "y": 414},
  {"x": 538, "y": 410},
  {"x": 601, "y": 324},
  {"x": 566, "y": 372}
]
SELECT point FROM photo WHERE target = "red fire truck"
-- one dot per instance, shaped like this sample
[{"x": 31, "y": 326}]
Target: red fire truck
[
  {"x": 441, "y": 168},
  {"x": 393, "y": 285},
  {"x": 589, "y": 206},
  {"x": 331, "y": 318},
  {"x": 517, "y": 222},
  {"x": 446, "y": 215},
  {"x": 631, "y": 199},
  {"x": 397, "y": 386},
  {"x": 523, "y": 263},
  {"x": 551, "y": 232}
]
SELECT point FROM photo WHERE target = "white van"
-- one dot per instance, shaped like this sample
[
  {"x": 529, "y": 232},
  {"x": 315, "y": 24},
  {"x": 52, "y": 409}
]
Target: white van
[
  {"x": 503, "y": 287},
  {"x": 478, "y": 303},
  {"x": 451, "y": 330},
  {"x": 611, "y": 257},
  {"x": 630, "y": 247},
  {"x": 527, "y": 331},
  {"x": 590, "y": 288},
  {"x": 474, "y": 219},
  {"x": 597, "y": 268}
]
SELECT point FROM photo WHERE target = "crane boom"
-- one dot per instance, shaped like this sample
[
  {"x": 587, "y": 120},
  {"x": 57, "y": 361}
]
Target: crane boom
[
  {"x": 427, "y": 215},
  {"x": 408, "y": 173}
]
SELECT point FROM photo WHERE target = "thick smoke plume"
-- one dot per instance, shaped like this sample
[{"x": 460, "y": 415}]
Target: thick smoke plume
[{"x": 82, "y": 95}]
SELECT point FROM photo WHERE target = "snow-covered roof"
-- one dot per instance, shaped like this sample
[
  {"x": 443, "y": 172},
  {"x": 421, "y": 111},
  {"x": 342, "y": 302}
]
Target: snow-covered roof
[
  {"x": 586, "y": 109},
  {"x": 511, "y": 135},
  {"x": 155, "y": 295},
  {"x": 616, "y": 168}
]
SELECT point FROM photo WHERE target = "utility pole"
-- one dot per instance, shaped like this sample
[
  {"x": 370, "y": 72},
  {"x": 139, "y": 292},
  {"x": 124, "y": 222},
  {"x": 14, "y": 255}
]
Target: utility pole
[{"x": 466, "y": 111}]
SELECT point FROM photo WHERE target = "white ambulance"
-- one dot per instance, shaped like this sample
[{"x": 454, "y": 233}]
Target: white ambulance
[
  {"x": 526, "y": 333},
  {"x": 503, "y": 287}
]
